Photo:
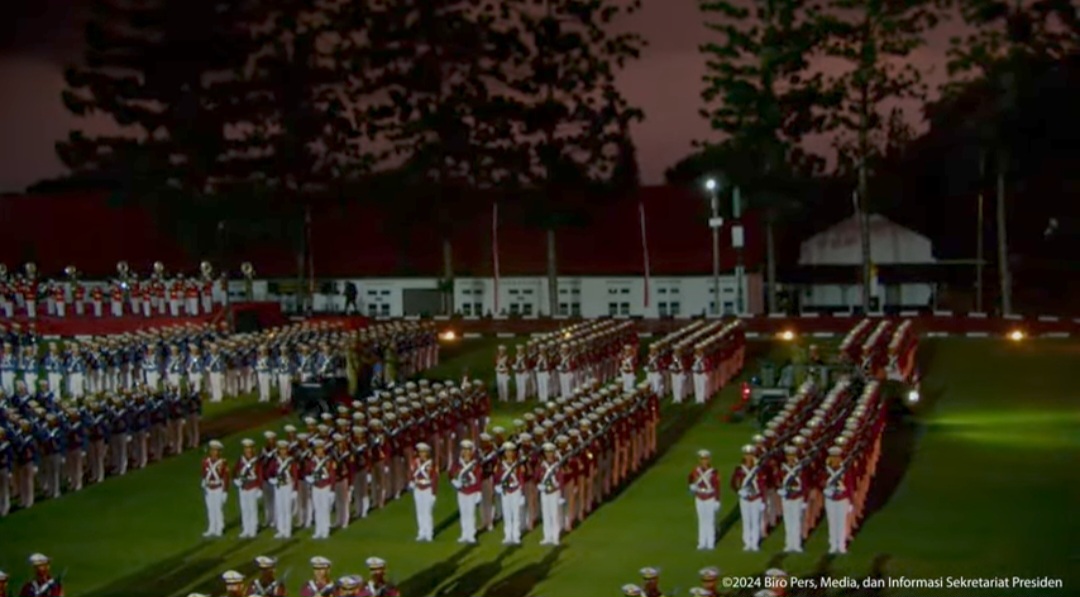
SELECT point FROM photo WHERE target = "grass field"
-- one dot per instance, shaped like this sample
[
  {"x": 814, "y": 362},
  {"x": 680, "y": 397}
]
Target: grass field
[{"x": 981, "y": 482}]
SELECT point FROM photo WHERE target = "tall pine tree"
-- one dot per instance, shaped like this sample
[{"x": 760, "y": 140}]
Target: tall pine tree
[
  {"x": 159, "y": 70},
  {"x": 443, "y": 64},
  {"x": 571, "y": 119},
  {"x": 874, "y": 38},
  {"x": 1006, "y": 39},
  {"x": 760, "y": 94}
]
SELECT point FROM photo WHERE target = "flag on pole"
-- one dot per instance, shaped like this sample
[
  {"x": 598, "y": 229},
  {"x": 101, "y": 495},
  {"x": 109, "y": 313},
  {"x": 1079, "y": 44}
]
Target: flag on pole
[
  {"x": 495, "y": 251},
  {"x": 644, "y": 250}
]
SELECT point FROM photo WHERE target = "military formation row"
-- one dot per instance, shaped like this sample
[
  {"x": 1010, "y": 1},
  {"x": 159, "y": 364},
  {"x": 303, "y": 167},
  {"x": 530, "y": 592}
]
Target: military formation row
[
  {"x": 696, "y": 360},
  {"x": 557, "y": 363},
  {"x": 883, "y": 349},
  {"x": 48, "y": 444}
]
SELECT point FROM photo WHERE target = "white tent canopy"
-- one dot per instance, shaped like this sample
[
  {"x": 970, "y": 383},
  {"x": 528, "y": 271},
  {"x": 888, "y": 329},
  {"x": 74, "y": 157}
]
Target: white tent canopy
[{"x": 890, "y": 243}]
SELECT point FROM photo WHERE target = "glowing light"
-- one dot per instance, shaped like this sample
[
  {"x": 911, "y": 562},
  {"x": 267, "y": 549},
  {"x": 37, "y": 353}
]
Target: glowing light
[
  {"x": 710, "y": 184},
  {"x": 1016, "y": 335},
  {"x": 786, "y": 335},
  {"x": 568, "y": 335},
  {"x": 448, "y": 336},
  {"x": 913, "y": 397}
]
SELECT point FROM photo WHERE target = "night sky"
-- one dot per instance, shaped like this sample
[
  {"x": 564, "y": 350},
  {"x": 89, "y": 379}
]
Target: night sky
[{"x": 39, "y": 37}]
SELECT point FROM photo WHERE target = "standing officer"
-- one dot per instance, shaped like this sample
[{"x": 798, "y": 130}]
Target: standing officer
[
  {"x": 248, "y": 475},
  {"x": 650, "y": 582},
  {"x": 7, "y": 467},
  {"x": 748, "y": 482},
  {"x": 424, "y": 474},
  {"x": 793, "y": 488},
  {"x": 502, "y": 373},
  {"x": 216, "y": 373},
  {"x": 215, "y": 476},
  {"x": 467, "y": 478},
  {"x": 345, "y": 472},
  {"x": 284, "y": 474},
  {"x": 42, "y": 584},
  {"x": 549, "y": 480},
  {"x": 509, "y": 485},
  {"x": 264, "y": 372},
  {"x": 838, "y": 485},
  {"x": 705, "y": 487},
  {"x": 320, "y": 476},
  {"x": 54, "y": 369}
]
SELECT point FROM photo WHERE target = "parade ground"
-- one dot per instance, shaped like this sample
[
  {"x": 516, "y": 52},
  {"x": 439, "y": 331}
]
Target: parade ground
[{"x": 981, "y": 481}]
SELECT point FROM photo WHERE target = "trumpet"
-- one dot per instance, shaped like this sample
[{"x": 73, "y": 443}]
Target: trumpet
[
  {"x": 248, "y": 270},
  {"x": 71, "y": 271},
  {"x": 207, "y": 270},
  {"x": 159, "y": 268},
  {"x": 123, "y": 269},
  {"x": 31, "y": 269}
]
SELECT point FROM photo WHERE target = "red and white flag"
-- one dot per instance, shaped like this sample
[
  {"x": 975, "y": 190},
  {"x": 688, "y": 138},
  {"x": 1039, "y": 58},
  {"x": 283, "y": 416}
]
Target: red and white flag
[
  {"x": 644, "y": 249},
  {"x": 495, "y": 251}
]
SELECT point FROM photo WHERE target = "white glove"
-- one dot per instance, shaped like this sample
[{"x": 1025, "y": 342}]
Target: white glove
[
  {"x": 309, "y": 479},
  {"x": 202, "y": 484},
  {"x": 237, "y": 483},
  {"x": 409, "y": 487},
  {"x": 693, "y": 490},
  {"x": 498, "y": 489},
  {"x": 456, "y": 484}
]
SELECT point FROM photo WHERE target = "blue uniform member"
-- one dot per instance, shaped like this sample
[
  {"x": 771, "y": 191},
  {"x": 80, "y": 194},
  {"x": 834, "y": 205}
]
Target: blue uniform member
[
  {"x": 53, "y": 442},
  {"x": 75, "y": 367},
  {"x": 264, "y": 373},
  {"x": 192, "y": 415},
  {"x": 175, "y": 366},
  {"x": 7, "y": 470},
  {"x": 196, "y": 369},
  {"x": 140, "y": 430},
  {"x": 9, "y": 367},
  {"x": 216, "y": 366},
  {"x": 26, "y": 461},
  {"x": 284, "y": 368},
  {"x": 119, "y": 435},
  {"x": 54, "y": 368},
  {"x": 97, "y": 435},
  {"x": 75, "y": 448},
  {"x": 151, "y": 368},
  {"x": 158, "y": 408},
  {"x": 29, "y": 364}
]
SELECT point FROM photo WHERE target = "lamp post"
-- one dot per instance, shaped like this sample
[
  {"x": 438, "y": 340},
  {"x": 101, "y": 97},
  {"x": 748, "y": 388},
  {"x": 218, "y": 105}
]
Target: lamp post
[
  {"x": 737, "y": 242},
  {"x": 715, "y": 222}
]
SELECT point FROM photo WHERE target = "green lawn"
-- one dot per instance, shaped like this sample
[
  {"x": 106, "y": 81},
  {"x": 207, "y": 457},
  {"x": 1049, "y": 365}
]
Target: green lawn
[{"x": 988, "y": 492}]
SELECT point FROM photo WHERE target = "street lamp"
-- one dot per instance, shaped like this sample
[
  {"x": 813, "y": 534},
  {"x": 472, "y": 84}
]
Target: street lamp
[{"x": 712, "y": 185}]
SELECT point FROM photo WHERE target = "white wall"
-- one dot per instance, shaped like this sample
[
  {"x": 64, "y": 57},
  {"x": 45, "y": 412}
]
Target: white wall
[{"x": 912, "y": 295}]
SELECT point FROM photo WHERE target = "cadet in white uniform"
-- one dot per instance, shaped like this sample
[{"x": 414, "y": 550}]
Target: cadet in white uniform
[
  {"x": 248, "y": 481},
  {"x": 705, "y": 487},
  {"x": 423, "y": 477},
  {"x": 549, "y": 482}
]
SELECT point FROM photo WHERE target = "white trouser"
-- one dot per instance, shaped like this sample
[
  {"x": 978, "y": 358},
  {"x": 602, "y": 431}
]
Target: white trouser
[
  {"x": 521, "y": 385},
  {"x": 467, "y": 503},
  {"x": 566, "y": 384},
  {"x": 77, "y": 385},
  {"x": 752, "y": 512},
  {"x": 628, "y": 380},
  {"x": 542, "y": 380},
  {"x": 322, "y": 500},
  {"x": 701, "y": 391},
  {"x": 656, "y": 382},
  {"x": 153, "y": 379},
  {"x": 31, "y": 378},
  {"x": 215, "y": 511},
  {"x": 174, "y": 379},
  {"x": 678, "y": 387},
  {"x": 61, "y": 309},
  {"x": 194, "y": 381},
  {"x": 284, "y": 382},
  {"x": 706, "y": 522},
  {"x": 56, "y": 382},
  {"x": 502, "y": 383},
  {"x": 836, "y": 511},
  {"x": 249, "y": 512},
  {"x": 512, "y": 504},
  {"x": 283, "y": 507},
  {"x": 192, "y": 305},
  {"x": 425, "y": 514},
  {"x": 793, "y": 523},
  {"x": 31, "y": 309},
  {"x": 117, "y": 308},
  {"x": 551, "y": 508},
  {"x": 174, "y": 307},
  {"x": 7, "y": 381},
  {"x": 207, "y": 303},
  {"x": 264, "y": 387},
  {"x": 217, "y": 386}
]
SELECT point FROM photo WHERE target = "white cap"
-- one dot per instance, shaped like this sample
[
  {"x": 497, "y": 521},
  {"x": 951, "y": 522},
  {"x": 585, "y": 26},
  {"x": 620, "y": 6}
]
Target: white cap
[
  {"x": 700, "y": 592},
  {"x": 791, "y": 450},
  {"x": 282, "y": 444},
  {"x": 509, "y": 446},
  {"x": 549, "y": 447},
  {"x": 290, "y": 429},
  {"x": 704, "y": 454},
  {"x": 467, "y": 444},
  {"x": 775, "y": 572},
  {"x": 765, "y": 593},
  {"x": 310, "y": 421},
  {"x": 265, "y": 562},
  {"x": 835, "y": 451},
  {"x": 3, "y": 575},
  {"x": 39, "y": 559},
  {"x": 215, "y": 444},
  {"x": 247, "y": 442},
  {"x": 632, "y": 590},
  {"x": 348, "y": 582},
  {"x": 269, "y": 435},
  {"x": 498, "y": 430},
  {"x": 423, "y": 447},
  {"x": 748, "y": 449},
  {"x": 709, "y": 573},
  {"x": 232, "y": 577},
  {"x": 197, "y": 595},
  {"x": 375, "y": 563},
  {"x": 320, "y": 562}
]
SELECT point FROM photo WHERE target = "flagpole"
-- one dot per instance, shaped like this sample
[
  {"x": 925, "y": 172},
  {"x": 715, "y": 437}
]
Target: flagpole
[
  {"x": 644, "y": 250},
  {"x": 495, "y": 252}
]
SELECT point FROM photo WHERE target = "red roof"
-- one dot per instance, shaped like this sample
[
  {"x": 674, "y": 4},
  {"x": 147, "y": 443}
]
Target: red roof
[{"x": 351, "y": 239}]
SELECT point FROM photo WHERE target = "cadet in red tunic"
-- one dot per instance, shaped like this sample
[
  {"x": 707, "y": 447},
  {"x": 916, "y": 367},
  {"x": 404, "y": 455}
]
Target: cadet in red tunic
[
  {"x": 424, "y": 476},
  {"x": 510, "y": 485},
  {"x": 377, "y": 585},
  {"x": 466, "y": 475},
  {"x": 705, "y": 487},
  {"x": 43, "y": 584},
  {"x": 748, "y": 481},
  {"x": 838, "y": 485},
  {"x": 793, "y": 484},
  {"x": 549, "y": 480},
  {"x": 248, "y": 475},
  {"x": 321, "y": 474},
  {"x": 345, "y": 467},
  {"x": 320, "y": 585},
  {"x": 215, "y": 477},
  {"x": 283, "y": 473}
]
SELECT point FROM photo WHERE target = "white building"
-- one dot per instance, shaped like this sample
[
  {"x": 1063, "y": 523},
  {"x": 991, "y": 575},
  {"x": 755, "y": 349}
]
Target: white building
[{"x": 835, "y": 255}]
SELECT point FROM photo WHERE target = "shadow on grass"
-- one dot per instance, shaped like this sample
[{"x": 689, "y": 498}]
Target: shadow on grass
[
  {"x": 213, "y": 585},
  {"x": 522, "y": 582},
  {"x": 177, "y": 571},
  {"x": 427, "y": 580},
  {"x": 898, "y": 446},
  {"x": 728, "y": 523},
  {"x": 472, "y": 580}
]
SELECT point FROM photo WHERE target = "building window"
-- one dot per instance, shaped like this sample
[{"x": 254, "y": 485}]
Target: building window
[
  {"x": 466, "y": 309},
  {"x": 386, "y": 293},
  {"x": 372, "y": 310},
  {"x": 527, "y": 291},
  {"x": 373, "y": 293},
  {"x": 576, "y": 291},
  {"x": 662, "y": 308},
  {"x": 575, "y": 309},
  {"x": 515, "y": 309},
  {"x": 729, "y": 290},
  {"x": 625, "y": 291},
  {"x": 674, "y": 307},
  {"x": 674, "y": 291},
  {"x": 613, "y": 291},
  {"x": 562, "y": 291},
  {"x": 564, "y": 309},
  {"x": 384, "y": 310},
  {"x": 513, "y": 291},
  {"x": 466, "y": 292},
  {"x": 613, "y": 308},
  {"x": 662, "y": 291},
  {"x": 729, "y": 308},
  {"x": 624, "y": 309},
  {"x": 478, "y": 309},
  {"x": 526, "y": 309}
]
